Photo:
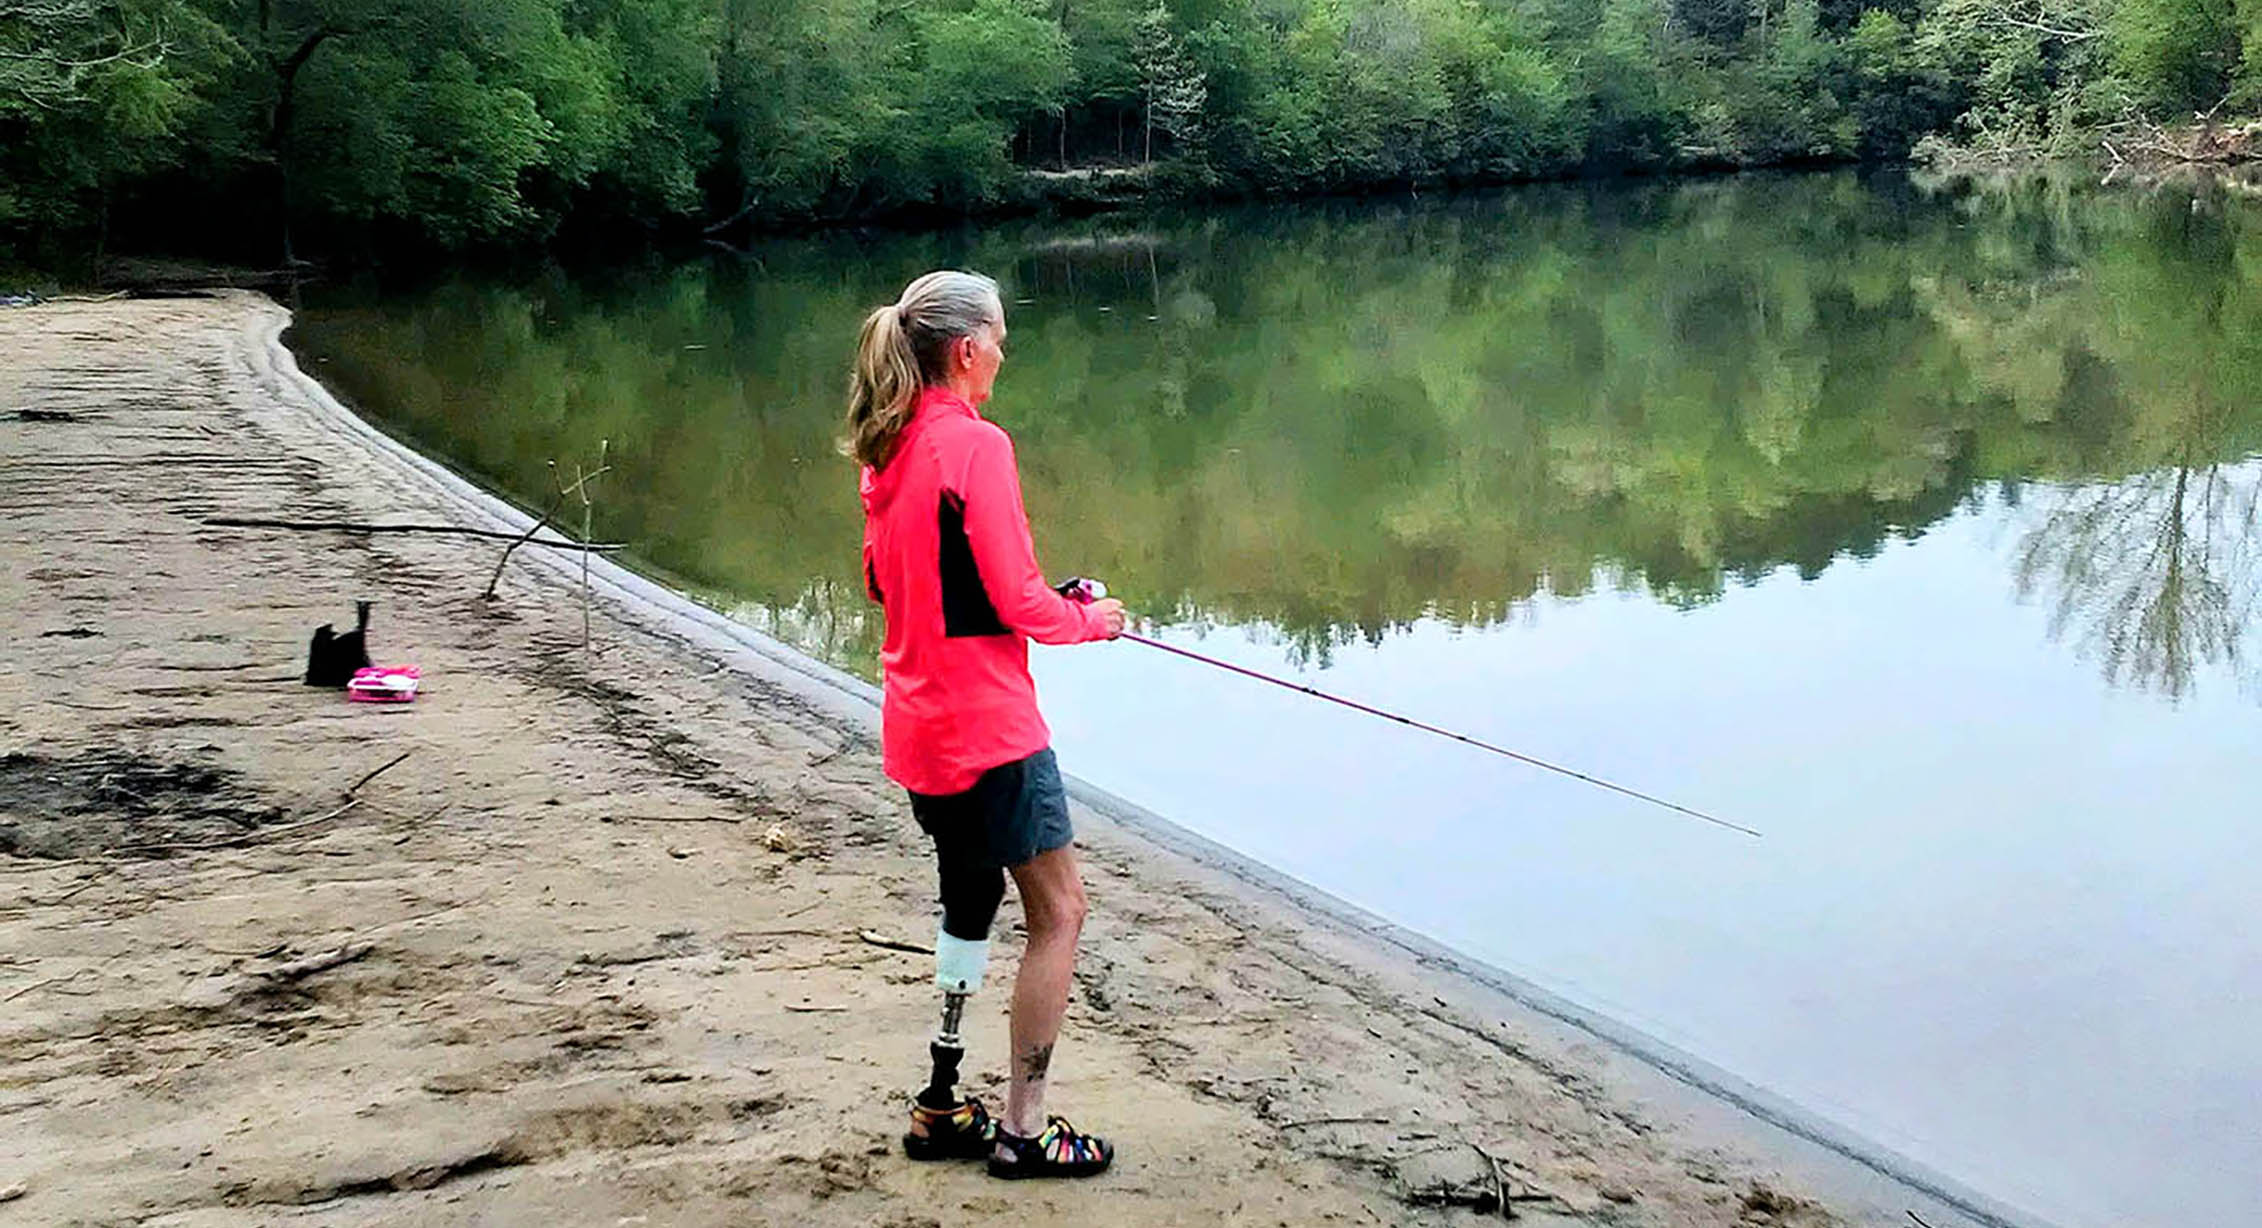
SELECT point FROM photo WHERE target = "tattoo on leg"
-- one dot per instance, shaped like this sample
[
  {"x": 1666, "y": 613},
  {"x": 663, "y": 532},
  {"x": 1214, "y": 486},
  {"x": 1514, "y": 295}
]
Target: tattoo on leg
[{"x": 1039, "y": 1060}]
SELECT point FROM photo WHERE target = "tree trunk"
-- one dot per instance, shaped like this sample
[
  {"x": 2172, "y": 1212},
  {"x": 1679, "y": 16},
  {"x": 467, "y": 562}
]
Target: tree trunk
[
  {"x": 101, "y": 226},
  {"x": 279, "y": 133},
  {"x": 282, "y": 147}
]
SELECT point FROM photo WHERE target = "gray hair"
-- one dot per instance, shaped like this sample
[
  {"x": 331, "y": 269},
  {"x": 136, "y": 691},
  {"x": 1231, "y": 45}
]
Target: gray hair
[{"x": 901, "y": 348}]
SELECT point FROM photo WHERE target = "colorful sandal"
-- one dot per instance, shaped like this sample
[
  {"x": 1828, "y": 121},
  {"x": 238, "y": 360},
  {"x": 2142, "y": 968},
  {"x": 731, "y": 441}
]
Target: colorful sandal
[
  {"x": 1061, "y": 1151},
  {"x": 963, "y": 1132}
]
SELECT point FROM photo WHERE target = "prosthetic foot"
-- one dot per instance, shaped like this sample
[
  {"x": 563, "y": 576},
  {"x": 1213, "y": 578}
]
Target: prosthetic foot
[{"x": 943, "y": 1125}]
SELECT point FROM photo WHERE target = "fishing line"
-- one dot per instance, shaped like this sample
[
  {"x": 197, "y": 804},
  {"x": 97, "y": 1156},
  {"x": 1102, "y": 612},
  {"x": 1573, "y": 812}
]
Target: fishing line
[{"x": 1518, "y": 756}]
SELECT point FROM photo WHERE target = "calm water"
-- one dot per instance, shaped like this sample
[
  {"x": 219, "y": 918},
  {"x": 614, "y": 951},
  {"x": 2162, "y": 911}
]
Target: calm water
[{"x": 1916, "y": 529}]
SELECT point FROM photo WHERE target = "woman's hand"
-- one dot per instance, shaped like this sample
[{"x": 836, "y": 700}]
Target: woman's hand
[{"x": 1112, "y": 610}]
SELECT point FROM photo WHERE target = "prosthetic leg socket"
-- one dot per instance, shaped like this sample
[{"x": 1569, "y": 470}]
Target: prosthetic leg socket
[{"x": 959, "y": 965}]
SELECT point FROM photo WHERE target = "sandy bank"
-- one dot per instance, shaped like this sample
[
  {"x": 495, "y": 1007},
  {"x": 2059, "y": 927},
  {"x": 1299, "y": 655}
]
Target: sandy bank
[{"x": 591, "y": 953}]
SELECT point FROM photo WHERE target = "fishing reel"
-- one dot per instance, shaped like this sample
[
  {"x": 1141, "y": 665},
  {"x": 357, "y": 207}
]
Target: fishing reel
[{"x": 1081, "y": 590}]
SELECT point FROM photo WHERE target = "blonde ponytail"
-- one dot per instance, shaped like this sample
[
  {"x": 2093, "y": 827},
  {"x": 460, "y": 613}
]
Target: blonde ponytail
[
  {"x": 900, "y": 349},
  {"x": 882, "y": 387}
]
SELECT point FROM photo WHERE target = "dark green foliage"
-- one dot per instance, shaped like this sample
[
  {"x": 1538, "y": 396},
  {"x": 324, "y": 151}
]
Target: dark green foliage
[
  {"x": 476, "y": 122},
  {"x": 2177, "y": 53}
]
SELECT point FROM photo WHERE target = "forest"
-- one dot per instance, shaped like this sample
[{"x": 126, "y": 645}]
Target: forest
[{"x": 274, "y": 130}]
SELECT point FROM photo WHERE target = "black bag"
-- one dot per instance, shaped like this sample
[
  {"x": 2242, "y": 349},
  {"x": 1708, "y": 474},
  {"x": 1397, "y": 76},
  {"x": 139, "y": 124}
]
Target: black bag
[{"x": 331, "y": 659}]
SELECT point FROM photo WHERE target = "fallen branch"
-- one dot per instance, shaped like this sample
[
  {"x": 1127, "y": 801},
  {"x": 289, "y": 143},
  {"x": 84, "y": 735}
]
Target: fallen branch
[
  {"x": 49, "y": 982},
  {"x": 541, "y": 522},
  {"x": 1919, "y": 1220},
  {"x": 604, "y": 448},
  {"x": 1499, "y": 1183},
  {"x": 261, "y": 833},
  {"x": 356, "y": 788},
  {"x": 221, "y": 993},
  {"x": 673, "y": 818},
  {"x": 347, "y": 526},
  {"x": 1335, "y": 1121},
  {"x": 893, "y": 944},
  {"x": 745, "y": 211},
  {"x": 58, "y": 899},
  {"x": 299, "y": 970},
  {"x": 798, "y": 1008}
]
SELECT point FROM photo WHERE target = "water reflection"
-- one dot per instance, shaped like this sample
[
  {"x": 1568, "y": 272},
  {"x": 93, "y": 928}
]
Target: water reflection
[
  {"x": 2153, "y": 576},
  {"x": 1340, "y": 420}
]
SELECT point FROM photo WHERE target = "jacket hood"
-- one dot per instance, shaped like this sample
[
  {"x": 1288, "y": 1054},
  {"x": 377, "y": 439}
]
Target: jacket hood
[{"x": 878, "y": 487}]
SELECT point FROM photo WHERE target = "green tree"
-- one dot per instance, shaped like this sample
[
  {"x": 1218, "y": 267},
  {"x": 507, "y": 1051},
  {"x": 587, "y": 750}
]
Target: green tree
[
  {"x": 1172, "y": 89},
  {"x": 1895, "y": 100},
  {"x": 803, "y": 98},
  {"x": 2024, "y": 68},
  {"x": 2176, "y": 54},
  {"x": 982, "y": 74},
  {"x": 1629, "y": 74},
  {"x": 93, "y": 93}
]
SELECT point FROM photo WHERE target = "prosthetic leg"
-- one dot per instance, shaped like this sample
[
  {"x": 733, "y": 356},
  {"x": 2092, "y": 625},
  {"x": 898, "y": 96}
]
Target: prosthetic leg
[
  {"x": 943, "y": 1126},
  {"x": 958, "y": 973}
]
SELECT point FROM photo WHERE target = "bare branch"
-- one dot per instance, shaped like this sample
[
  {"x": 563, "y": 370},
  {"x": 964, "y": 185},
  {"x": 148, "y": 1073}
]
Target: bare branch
[
  {"x": 2071, "y": 36},
  {"x": 159, "y": 46}
]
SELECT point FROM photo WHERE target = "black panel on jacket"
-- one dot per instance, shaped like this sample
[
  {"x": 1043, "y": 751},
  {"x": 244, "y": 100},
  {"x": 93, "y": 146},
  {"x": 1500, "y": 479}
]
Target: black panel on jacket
[{"x": 966, "y": 608}]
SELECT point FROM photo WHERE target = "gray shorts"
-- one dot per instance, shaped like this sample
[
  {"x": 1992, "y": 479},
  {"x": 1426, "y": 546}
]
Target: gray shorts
[{"x": 1014, "y": 812}]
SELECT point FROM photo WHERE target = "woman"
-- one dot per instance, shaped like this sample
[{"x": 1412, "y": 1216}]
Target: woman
[{"x": 948, "y": 557}]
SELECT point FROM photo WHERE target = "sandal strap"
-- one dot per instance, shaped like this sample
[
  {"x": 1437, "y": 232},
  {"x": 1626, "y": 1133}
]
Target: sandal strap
[
  {"x": 967, "y": 1116},
  {"x": 1063, "y": 1143}
]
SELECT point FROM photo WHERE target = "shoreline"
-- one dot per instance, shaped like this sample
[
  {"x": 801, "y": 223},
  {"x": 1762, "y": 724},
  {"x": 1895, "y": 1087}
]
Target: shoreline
[{"x": 1601, "y": 1124}]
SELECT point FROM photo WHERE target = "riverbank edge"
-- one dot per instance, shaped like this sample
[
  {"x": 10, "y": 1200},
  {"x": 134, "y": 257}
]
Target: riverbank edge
[{"x": 1716, "y": 1105}]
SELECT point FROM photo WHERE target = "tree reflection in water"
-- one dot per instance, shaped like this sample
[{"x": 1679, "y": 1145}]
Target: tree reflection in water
[{"x": 2155, "y": 575}]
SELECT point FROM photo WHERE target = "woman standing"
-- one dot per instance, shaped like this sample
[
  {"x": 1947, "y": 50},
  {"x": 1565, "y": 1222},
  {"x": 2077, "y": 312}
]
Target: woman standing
[{"x": 947, "y": 554}]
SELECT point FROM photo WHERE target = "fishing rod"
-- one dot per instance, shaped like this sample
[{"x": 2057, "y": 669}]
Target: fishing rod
[{"x": 1091, "y": 590}]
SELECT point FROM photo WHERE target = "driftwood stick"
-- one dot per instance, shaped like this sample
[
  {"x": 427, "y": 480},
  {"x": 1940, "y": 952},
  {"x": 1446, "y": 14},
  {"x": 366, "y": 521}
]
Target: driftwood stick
[
  {"x": 396, "y": 762},
  {"x": 1919, "y": 1220},
  {"x": 347, "y": 526},
  {"x": 604, "y": 450},
  {"x": 1499, "y": 1184},
  {"x": 893, "y": 944},
  {"x": 540, "y": 522},
  {"x": 50, "y": 981},
  {"x": 1335, "y": 1121},
  {"x": 299, "y": 970},
  {"x": 91, "y": 880}
]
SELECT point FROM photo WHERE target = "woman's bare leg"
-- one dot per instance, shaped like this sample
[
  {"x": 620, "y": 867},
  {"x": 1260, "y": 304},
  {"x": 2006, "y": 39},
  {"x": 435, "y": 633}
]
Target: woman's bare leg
[{"x": 1052, "y": 906}]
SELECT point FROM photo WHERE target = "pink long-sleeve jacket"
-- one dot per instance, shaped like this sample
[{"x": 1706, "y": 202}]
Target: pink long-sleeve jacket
[{"x": 948, "y": 557}]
